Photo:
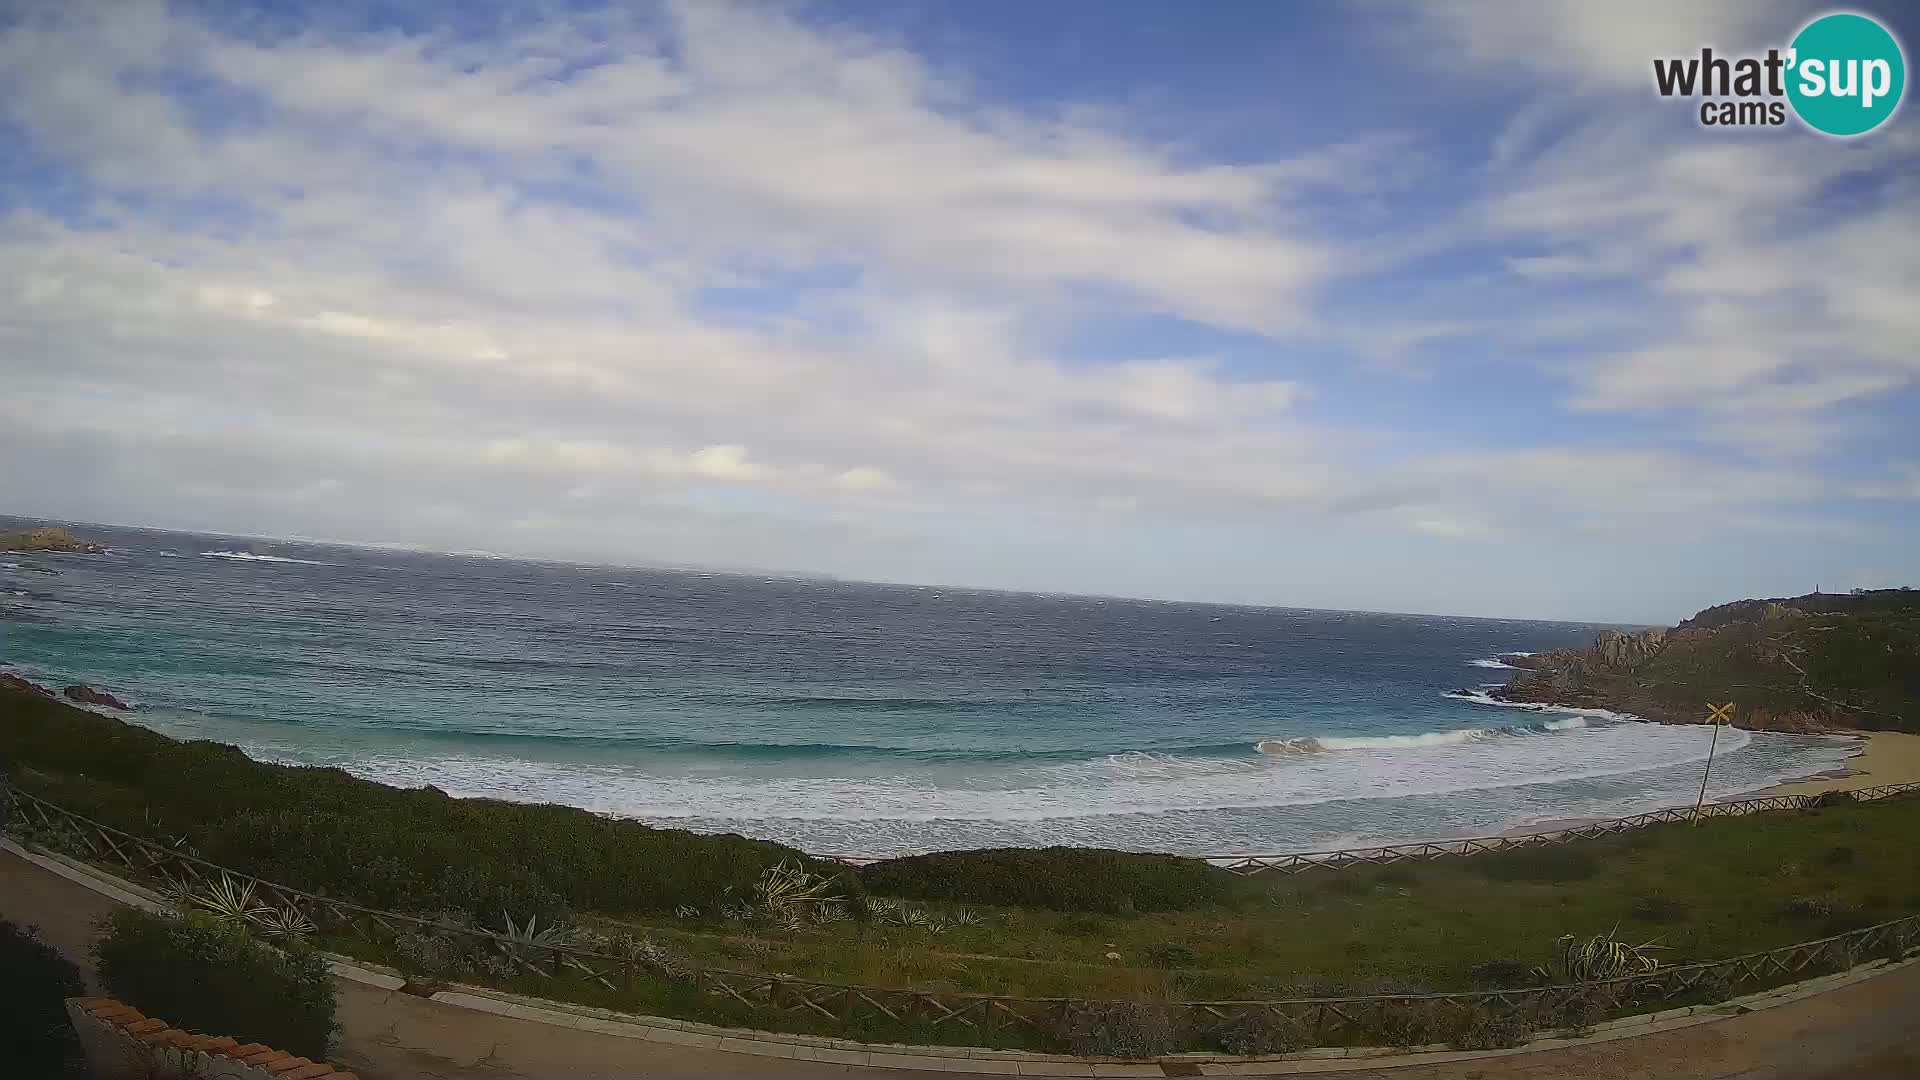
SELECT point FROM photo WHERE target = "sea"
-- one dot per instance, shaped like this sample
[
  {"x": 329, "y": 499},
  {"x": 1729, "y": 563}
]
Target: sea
[{"x": 852, "y": 718}]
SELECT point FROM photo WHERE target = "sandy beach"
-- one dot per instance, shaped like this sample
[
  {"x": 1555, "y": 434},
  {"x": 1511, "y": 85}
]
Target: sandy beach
[{"x": 1886, "y": 757}]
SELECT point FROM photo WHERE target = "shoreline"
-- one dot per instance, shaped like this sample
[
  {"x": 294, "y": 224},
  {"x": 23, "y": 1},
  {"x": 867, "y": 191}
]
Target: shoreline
[{"x": 1883, "y": 757}]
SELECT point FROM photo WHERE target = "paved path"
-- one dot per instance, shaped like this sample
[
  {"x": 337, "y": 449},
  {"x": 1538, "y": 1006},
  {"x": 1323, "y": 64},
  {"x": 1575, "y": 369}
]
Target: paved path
[{"x": 1867, "y": 1031}]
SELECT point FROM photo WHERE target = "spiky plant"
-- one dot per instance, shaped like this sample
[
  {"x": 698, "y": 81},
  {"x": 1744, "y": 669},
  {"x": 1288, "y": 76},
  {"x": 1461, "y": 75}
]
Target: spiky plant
[
  {"x": 282, "y": 922},
  {"x": 529, "y": 942},
  {"x": 229, "y": 898},
  {"x": 966, "y": 917},
  {"x": 1600, "y": 957},
  {"x": 790, "y": 896}
]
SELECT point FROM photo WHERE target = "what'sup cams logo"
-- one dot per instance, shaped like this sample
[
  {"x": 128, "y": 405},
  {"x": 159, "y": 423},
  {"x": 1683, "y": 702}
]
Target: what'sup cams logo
[{"x": 1843, "y": 74}]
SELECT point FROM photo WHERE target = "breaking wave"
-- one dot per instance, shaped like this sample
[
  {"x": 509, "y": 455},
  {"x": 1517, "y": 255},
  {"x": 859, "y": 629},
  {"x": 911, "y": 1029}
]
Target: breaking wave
[
  {"x": 1316, "y": 744},
  {"x": 248, "y": 556}
]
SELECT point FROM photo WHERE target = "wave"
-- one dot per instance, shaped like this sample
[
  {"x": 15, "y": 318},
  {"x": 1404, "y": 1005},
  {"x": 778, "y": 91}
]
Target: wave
[
  {"x": 1481, "y": 697},
  {"x": 1492, "y": 663},
  {"x": 1316, "y": 744},
  {"x": 852, "y": 753},
  {"x": 1119, "y": 785},
  {"x": 248, "y": 556}
]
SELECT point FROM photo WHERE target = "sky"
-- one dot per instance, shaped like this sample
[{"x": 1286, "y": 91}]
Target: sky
[{"x": 1375, "y": 306}]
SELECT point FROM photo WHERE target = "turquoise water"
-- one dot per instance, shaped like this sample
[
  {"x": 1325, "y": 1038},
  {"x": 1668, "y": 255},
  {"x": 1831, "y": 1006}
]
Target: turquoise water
[{"x": 847, "y": 717}]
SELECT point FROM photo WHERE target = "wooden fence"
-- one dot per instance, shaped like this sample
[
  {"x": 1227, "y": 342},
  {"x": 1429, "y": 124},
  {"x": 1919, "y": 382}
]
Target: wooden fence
[{"x": 968, "y": 1017}]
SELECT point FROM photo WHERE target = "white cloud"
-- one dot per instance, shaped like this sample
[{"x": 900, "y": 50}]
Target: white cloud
[{"x": 565, "y": 279}]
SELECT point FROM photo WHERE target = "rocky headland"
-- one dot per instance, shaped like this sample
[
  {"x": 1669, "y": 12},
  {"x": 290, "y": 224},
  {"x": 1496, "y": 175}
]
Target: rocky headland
[{"x": 1812, "y": 663}]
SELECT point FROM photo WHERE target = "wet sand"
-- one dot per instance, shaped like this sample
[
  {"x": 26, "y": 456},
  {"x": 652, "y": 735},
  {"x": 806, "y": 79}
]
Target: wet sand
[{"x": 1886, "y": 757}]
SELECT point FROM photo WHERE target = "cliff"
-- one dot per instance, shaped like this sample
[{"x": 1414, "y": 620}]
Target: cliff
[{"x": 1805, "y": 663}]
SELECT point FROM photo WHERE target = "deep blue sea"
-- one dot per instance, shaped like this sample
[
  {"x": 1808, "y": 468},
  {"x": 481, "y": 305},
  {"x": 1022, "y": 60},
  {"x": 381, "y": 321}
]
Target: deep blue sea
[{"x": 847, "y": 717}]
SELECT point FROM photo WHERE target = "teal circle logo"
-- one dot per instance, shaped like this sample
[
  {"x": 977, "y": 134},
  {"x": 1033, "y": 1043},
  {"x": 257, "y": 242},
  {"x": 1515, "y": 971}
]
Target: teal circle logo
[{"x": 1846, "y": 74}]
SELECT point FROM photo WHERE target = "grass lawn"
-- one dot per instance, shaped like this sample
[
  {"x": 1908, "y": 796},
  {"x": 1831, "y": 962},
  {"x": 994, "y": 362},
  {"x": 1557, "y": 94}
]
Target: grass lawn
[{"x": 1725, "y": 887}]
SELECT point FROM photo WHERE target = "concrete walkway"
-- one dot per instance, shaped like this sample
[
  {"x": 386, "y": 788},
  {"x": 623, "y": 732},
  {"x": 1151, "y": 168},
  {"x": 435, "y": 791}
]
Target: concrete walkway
[{"x": 1862, "y": 1031}]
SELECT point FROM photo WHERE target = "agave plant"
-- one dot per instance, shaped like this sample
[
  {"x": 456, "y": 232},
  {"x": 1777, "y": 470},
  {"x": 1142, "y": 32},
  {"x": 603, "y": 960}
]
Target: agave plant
[
  {"x": 966, "y": 917},
  {"x": 229, "y": 898},
  {"x": 529, "y": 941},
  {"x": 283, "y": 923},
  {"x": 235, "y": 900},
  {"x": 790, "y": 896},
  {"x": 1600, "y": 957}
]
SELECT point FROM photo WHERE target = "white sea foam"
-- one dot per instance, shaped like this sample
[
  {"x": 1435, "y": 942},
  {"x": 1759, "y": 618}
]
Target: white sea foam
[
  {"x": 1481, "y": 697},
  {"x": 248, "y": 556},
  {"x": 1491, "y": 663},
  {"x": 1132, "y": 783},
  {"x": 1424, "y": 740}
]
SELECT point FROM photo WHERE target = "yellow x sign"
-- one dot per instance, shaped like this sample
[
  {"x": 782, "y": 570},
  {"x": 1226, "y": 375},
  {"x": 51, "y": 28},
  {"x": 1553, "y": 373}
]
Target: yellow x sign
[{"x": 1720, "y": 714}]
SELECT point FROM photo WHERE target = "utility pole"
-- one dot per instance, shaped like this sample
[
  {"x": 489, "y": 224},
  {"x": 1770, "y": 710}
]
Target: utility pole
[{"x": 1716, "y": 715}]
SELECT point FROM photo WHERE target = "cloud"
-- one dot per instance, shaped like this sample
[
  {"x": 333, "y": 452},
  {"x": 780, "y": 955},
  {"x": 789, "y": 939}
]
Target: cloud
[{"x": 627, "y": 282}]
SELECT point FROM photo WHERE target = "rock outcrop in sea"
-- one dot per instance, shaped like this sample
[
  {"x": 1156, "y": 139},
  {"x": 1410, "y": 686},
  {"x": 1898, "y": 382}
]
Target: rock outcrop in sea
[
  {"x": 87, "y": 695},
  {"x": 51, "y": 539}
]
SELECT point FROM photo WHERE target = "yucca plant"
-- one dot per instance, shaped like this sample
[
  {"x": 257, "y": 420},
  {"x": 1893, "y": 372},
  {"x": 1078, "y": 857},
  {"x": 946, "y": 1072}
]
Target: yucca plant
[
  {"x": 790, "y": 896},
  {"x": 282, "y": 922},
  {"x": 229, "y": 898},
  {"x": 235, "y": 900},
  {"x": 1600, "y": 957}
]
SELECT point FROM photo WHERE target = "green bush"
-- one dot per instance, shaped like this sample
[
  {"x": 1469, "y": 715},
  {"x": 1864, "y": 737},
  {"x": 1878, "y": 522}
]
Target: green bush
[
  {"x": 1127, "y": 1029},
  {"x": 35, "y": 981},
  {"x": 328, "y": 832},
  {"x": 1061, "y": 878},
  {"x": 1262, "y": 1033},
  {"x": 202, "y": 974}
]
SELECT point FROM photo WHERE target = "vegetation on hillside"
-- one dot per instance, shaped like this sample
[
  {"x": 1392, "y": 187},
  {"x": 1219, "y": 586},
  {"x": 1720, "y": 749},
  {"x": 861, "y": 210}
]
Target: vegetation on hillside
[
  {"x": 1800, "y": 664},
  {"x": 47, "y": 539},
  {"x": 205, "y": 974},
  {"x": 327, "y": 831},
  {"x": 35, "y": 981}
]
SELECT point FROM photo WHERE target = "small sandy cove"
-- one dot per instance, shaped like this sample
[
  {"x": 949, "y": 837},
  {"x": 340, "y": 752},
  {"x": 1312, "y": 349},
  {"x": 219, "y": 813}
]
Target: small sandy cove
[{"x": 1889, "y": 757}]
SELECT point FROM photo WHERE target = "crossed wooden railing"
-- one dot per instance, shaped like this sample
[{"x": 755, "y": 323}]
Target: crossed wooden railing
[{"x": 971, "y": 1016}]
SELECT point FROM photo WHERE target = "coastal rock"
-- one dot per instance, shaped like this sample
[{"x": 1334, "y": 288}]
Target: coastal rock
[
  {"x": 48, "y": 539},
  {"x": 87, "y": 695},
  {"x": 10, "y": 681},
  {"x": 1806, "y": 664},
  {"x": 1625, "y": 652}
]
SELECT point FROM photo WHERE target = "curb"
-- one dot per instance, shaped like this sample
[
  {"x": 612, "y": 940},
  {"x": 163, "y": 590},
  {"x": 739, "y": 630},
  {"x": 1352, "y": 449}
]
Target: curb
[{"x": 984, "y": 1061}]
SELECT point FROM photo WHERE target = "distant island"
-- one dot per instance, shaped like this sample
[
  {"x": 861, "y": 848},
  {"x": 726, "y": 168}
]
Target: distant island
[
  {"x": 1818, "y": 662},
  {"x": 54, "y": 540}
]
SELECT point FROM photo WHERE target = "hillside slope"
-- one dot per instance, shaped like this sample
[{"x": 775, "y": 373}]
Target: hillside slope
[{"x": 1804, "y": 663}]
